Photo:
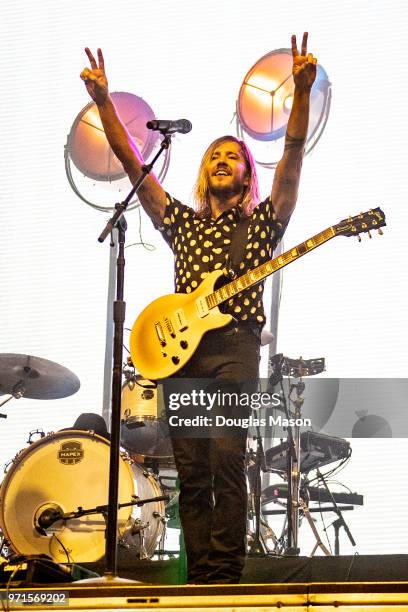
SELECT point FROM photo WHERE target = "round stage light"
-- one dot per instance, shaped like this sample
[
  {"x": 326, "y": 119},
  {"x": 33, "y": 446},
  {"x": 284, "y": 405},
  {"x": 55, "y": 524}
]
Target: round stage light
[
  {"x": 264, "y": 103},
  {"x": 88, "y": 154}
]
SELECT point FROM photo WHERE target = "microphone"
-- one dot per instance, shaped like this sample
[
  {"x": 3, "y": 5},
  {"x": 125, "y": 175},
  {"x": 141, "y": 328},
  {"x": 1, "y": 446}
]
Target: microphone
[
  {"x": 48, "y": 517},
  {"x": 166, "y": 126}
]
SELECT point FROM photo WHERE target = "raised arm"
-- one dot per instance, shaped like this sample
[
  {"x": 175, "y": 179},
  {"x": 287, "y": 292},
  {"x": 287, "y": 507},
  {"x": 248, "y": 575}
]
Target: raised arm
[
  {"x": 287, "y": 174},
  {"x": 151, "y": 193}
]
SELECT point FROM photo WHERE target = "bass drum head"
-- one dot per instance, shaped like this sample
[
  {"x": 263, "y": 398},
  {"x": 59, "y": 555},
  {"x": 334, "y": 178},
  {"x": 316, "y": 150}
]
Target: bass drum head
[{"x": 62, "y": 471}]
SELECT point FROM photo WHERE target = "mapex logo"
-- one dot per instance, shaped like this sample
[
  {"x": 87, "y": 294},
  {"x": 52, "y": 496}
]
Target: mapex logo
[{"x": 70, "y": 453}]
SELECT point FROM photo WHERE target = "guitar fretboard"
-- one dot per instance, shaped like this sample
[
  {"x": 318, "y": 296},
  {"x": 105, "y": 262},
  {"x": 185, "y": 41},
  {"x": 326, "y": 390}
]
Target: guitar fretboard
[{"x": 257, "y": 274}]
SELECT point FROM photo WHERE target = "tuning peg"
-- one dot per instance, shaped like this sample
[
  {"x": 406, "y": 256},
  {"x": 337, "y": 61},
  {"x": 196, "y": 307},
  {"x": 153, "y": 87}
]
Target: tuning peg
[
  {"x": 380, "y": 231},
  {"x": 369, "y": 234},
  {"x": 359, "y": 237}
]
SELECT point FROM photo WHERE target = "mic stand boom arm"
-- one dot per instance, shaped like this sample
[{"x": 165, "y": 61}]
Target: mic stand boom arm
[{"x": 49, "y": 517}]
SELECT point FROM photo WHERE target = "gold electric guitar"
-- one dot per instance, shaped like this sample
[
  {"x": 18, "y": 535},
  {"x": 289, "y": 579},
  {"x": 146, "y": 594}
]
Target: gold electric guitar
[{"x": 168, "y": 331}]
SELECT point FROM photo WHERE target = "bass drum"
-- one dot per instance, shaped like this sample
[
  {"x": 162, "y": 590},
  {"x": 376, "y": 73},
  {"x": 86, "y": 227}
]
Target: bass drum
[
  {"x": 61, "y": 472},
  {"x": 147, "y": 523}
]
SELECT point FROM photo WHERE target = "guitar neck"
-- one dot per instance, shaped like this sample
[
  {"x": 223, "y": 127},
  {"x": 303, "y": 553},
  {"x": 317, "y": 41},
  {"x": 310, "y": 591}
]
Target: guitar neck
[{"x": 257, "y": 274}]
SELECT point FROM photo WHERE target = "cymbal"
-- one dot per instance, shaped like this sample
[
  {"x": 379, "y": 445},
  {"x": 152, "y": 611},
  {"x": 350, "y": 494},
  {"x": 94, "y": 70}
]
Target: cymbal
[{"x": 35, "y": 377}]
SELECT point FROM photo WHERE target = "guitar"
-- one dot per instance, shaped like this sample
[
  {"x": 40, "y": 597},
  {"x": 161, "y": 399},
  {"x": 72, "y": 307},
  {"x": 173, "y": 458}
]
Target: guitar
[{"x": 167, "y": 333}]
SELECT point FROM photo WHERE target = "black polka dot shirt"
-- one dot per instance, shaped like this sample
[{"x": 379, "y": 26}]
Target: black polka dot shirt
[{"x": 202, "y": 244}]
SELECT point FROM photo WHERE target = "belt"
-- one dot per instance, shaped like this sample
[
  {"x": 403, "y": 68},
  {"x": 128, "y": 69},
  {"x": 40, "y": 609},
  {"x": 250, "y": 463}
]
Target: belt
[{"x": 255, "y": 328}]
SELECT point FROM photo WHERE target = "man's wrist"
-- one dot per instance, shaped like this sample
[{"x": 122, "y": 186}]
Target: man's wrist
[
  {"x": 104, "y": 101},
  {"x": 302, "y": 92}
]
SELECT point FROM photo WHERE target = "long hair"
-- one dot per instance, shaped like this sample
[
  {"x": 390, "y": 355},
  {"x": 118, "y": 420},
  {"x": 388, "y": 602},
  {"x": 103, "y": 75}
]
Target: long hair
[{"x": 250, "y": 194}]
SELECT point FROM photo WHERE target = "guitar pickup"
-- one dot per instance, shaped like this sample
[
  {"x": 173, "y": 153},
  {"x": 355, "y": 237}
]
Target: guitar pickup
[
  {"x": 202, "y": 307},
  {"x": 181, "y": 320}
]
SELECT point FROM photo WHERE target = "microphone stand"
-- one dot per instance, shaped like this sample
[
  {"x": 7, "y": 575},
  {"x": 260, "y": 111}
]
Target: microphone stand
[
  {"x": 340, "y": 522},
  {"x": 119, "y": 309}
]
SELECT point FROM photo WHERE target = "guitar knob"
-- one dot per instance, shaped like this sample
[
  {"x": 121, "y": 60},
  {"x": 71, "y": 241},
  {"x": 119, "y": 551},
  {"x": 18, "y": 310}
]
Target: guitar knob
[
  {"x": 184, "y": 344},
  {"x": 175, "y": 360}
]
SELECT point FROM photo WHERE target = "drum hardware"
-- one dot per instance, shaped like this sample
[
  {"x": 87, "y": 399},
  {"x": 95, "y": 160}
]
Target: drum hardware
[
  {"x": 320, "y": 494},
  {"x": 267, "y": 538},
  {"x": 35, "y": 432},
  {"x": 137, "y": 528},
  {"x": 35, "y": 378},
  {"x": 293, "y": 368},
  {"x": 280, "y": 549},
  {"x": 297, "y": 368},
  {"x": 132, "y": 424},
  {"x": 168, "y": 487},
  {"x": 258, "y": 545}
]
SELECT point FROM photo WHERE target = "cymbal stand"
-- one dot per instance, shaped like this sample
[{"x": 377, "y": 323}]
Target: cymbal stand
[
  {"x": 258, "y": 546},
  {"x": 4, "y": 416},
  {"x": 292, "y": 468},
  {"x": 295, "y": 476},
  {"x": 319, "y": 544},
  {"x": 17, "y": 392},
  {"x": 119, "y": 308}
]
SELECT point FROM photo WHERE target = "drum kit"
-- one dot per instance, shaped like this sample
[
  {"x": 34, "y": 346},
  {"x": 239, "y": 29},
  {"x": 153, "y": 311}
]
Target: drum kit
[
  {"x": 54, "y": 494},
  {"x": 53, "y": 498}
]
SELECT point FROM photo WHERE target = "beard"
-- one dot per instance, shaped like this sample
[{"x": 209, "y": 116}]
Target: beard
[{"x": 226, "y": 191}]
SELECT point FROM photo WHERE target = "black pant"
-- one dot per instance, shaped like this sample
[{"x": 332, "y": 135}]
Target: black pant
[{"x": 213, "y": 492}]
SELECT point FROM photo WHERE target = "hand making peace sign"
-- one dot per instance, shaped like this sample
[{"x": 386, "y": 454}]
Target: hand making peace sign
[
  {"x": 304, "y": 65},
  {"x": 95, "y": 79}
]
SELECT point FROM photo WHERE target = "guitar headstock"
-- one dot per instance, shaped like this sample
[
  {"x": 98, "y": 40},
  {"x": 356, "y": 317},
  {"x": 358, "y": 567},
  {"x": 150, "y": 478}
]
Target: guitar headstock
[{"x": 373, "y": 219}]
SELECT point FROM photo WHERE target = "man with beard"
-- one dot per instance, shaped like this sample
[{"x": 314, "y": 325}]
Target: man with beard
[{"x": 211, "y": 470}]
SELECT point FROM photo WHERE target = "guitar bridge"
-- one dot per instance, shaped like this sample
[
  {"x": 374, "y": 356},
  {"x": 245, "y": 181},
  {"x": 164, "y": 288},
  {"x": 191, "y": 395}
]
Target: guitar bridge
[{"x": 169, "y": 326}]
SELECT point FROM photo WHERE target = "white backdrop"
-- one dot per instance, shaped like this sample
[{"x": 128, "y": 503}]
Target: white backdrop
[{"x": 345, "y": 301}]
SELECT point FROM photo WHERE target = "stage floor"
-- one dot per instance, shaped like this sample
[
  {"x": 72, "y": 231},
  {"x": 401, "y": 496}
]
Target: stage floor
[
  {"x": 366, "y": 582},
  {"x": 296, "y": 596}
]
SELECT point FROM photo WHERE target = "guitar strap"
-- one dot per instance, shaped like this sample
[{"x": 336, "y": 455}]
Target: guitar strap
[{"x": 237, "y": 246}]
